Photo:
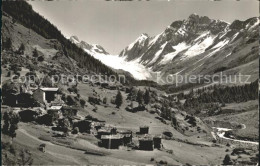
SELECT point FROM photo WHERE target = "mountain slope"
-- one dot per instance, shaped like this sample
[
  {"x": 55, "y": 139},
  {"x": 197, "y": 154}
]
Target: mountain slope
[{"x": 197, "y": 45}]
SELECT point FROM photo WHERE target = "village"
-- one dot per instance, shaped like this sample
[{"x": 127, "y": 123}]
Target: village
[{"x": 54, "y": 111}]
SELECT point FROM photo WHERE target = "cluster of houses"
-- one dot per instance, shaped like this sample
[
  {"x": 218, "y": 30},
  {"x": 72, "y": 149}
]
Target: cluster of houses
[
  {"x": 113, "y": 138},
  {"x": 110, "y": 137},
  {"x": 50, "y": 106}
]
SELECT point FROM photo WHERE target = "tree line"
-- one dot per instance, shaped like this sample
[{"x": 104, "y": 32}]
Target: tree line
[{"x": 219, "y": 94}]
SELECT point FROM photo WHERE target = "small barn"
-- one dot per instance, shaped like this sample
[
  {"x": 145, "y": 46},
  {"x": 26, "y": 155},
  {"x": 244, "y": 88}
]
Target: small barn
[
  {"x": 112, "y": 141},
  {"x": 144, "y": 130},
  {"x": 157, "y": 140},
  {"x": 45, "y": 95},
  {"x": 146, "y": 143}
]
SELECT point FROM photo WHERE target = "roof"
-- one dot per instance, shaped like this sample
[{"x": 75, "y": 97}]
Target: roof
[
  {"x": 104, "y": 130},
  {"x": 157, "y": 136},
  {"x": 50, "y": 89},
  {"x": 124, "y": 131},
  {"x": 147, "y": 137},
  {"x": 112, "y": 136},
  {"x": 55, "y": 107}
]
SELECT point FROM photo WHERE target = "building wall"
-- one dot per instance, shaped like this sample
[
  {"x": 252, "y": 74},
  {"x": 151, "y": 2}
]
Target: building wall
[
  {"x": 145, "y": 144},
  {"x": 112, "y": 143},
  {"x": 157, "y": 142},
  {"x": 49, "y": 96},
  {"x": 144, "y": 130},
  {"x": 38, "y": 95}
]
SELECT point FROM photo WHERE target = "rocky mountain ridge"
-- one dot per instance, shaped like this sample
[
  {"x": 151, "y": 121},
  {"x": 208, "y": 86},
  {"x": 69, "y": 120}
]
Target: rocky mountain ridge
[{"x": 190, "y": 46}]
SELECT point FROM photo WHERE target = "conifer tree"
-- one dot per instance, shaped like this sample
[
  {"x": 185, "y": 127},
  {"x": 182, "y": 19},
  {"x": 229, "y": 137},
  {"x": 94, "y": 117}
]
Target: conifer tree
[
  {"x": 227, "y": 160},
  {"x": 35, "y": 53},
  {"x": 139, "y": 98},
  {"x": 146, "y": 97},
  {"x": 21, "y": 49},
  {"x": 119, "y": 99}
]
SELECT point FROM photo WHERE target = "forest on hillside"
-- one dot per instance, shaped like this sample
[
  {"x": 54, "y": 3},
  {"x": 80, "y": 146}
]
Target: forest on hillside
[{"x": 23, "y": 13}]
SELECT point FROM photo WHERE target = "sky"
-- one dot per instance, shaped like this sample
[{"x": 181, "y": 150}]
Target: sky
[{"x": 114, "y": 25}]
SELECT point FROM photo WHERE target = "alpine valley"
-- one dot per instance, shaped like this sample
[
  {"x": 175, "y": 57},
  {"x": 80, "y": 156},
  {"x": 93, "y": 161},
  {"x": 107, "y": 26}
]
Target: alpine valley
[
  {"x": 197, "y": 45},
  {"x": 58, "y": 106}
]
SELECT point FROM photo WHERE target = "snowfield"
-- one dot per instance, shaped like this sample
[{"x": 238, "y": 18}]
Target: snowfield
[
  {"x": 168, "y": 57},
  {"x": 199, "y": 47}
]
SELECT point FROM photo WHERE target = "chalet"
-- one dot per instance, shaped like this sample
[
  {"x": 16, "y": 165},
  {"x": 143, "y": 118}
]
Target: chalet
[
  {"x": 97, "y": 125},
  {"x": 47, "y": 119},
  {"x": 83, "y": 125},
  {"x": 127, "y": 136},
  {"x": 122, "y": 88},
  {"x": 144, "y": 130},
  {"x": 124, "y": 132},
  {"x": 157, "y": 140},
  {"x": 103, "y": 131},
  {"x": 69, "y": 111},
  {"x": 97, "y": 83},
  {"x": 28, "y": 115},
  {"x": 112, "y": 141},
  {"x": 57, "y": 101},
  {"x": 104, "y": 85},
  {"x": 45, "y": 95},
  {"x": 112, "y": 87},
  {"x": 89, "y": 117},
  {"x": 113, "y": 130},
  {"x": 127, "y": 90},
  {"x": 55, "y": 111},
  {"x": 93, "y": 131},
  {"x": 94, "y": 100},
  {"x": 146, "y": 143},
  {"x": 42, "y": 147}
]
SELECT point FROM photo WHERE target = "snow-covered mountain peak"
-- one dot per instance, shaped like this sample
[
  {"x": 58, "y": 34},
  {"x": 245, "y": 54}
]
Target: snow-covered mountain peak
[
  {"x": 74, "y": 39},
  {"x": 141, "y": 38},
  {"x": 90, "y": 48}
]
